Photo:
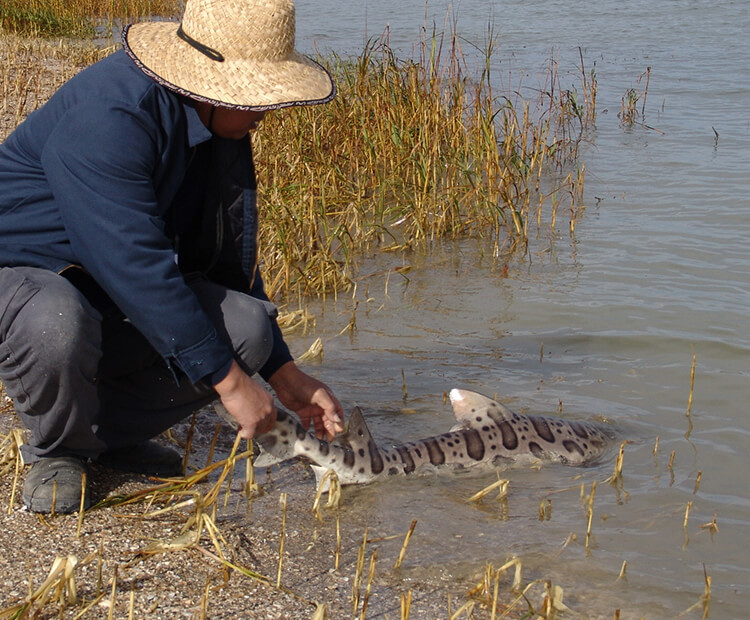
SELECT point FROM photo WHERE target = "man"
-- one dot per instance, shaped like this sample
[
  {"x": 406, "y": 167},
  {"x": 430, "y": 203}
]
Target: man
[{"x": 129, "y": 289}]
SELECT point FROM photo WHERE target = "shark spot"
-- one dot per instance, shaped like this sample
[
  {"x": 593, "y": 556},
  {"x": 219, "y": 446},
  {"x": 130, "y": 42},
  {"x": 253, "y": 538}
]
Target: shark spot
[
  {"x": 479, "y": 418},
  {"x": 474, "y": 444},
  {"x": 324, "y": 448},
  {"x": 579, "y": 429},
  {"x": 406, "y": 458},
  {"x": 270, "y": 441},
  {"x": 572, "y": 446},
  {"x": 284, "y": 433},
  {"x": 536, "y": 449},
  {"x": 418, "y": 452},
  {"x": 493, "y": 447},
  {"x": 361, "y": 470},
  {"x": 361, "y": 452},
  {"x": 301, "y": 432},
  {"x": 376, "y": 460},
  {"x": 486, "y": 428},
  {"x": 509, "y": 435},
  {"x": 437, "y": 457},
  {"x": 392, "y": 471},
  {"x": 510, "y": 439},
  {"x": 543, "y": 429},
  {"x": 348, "y": 458}
]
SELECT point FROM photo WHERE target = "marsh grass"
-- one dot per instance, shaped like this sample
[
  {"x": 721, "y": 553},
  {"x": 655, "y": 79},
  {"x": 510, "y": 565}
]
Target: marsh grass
[
  {"x": 411, "y": 151},
  {"x": 77, "y": 18}
]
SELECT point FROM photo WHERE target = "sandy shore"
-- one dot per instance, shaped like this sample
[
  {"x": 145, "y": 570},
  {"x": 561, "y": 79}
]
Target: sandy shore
[{"x": 158, "y": 566}]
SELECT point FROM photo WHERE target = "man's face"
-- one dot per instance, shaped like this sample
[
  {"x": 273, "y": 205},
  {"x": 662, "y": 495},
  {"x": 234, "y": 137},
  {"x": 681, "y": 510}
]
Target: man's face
[
  {"x": 235, "y": 124},
  {"x": 226, "y": 123}
]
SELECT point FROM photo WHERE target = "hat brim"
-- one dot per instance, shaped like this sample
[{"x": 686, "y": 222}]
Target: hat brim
[{"x": 236, "y": 83}]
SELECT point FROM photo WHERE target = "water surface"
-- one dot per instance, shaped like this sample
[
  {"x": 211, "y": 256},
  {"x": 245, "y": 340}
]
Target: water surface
[{"x": 604, "y": 324}]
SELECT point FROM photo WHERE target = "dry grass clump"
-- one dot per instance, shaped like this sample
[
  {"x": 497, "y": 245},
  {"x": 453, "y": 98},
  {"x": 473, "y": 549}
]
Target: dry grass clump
[{"x": 410, "y": 151}]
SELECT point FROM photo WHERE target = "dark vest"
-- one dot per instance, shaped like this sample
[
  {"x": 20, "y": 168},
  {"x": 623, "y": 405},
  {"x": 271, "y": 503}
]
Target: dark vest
[{"x": 221, "y": 242}]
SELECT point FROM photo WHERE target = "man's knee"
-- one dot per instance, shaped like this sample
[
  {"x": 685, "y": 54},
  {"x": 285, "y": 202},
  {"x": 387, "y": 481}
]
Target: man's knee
[
  {"x": 244, "y": 321},
  {"x": 249, "y": 327},
  {"x": 51, "y": 322}
]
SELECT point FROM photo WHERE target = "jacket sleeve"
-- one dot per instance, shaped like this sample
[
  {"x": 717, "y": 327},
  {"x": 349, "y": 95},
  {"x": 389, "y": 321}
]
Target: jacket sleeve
[{"x": 100, "y": 164}]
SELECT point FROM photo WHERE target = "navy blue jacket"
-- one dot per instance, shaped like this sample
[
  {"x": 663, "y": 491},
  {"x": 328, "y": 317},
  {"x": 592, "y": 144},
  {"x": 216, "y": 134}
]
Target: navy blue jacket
[{"x": 93, "y": 179}]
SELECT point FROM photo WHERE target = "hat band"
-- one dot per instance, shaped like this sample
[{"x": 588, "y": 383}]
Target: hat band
[{"x": 203, "y": 49}]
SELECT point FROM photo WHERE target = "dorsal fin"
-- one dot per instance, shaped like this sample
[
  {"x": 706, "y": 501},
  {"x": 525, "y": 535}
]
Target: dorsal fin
[
  {"x": 357, "y": 434},
  {"x": 466, "y": 405}
]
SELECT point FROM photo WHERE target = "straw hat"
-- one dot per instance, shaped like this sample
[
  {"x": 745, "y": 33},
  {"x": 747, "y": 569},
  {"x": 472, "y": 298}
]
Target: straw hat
[{"x": 232, "y": 53}]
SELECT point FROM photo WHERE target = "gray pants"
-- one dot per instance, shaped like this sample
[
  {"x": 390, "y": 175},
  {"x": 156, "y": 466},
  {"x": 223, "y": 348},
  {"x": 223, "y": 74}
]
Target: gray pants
[{"x": 83, "y": 383}]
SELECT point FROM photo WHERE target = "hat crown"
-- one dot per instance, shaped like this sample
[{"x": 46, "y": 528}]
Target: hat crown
[
  {"x": 242, "y": 29},
  {"x": 232, "y": 53}
]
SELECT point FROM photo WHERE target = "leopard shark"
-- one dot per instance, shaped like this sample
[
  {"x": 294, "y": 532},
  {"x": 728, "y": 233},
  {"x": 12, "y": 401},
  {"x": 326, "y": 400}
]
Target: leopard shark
[{"x": 486, "y": 434}]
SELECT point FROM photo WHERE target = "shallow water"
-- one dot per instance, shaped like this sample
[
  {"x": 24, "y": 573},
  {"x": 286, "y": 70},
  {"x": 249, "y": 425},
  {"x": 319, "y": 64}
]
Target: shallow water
[{"x": 604, "y": 324}]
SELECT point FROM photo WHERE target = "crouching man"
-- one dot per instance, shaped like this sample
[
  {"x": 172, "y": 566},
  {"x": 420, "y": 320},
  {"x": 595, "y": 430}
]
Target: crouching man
[{"x": 130, "y": 293}]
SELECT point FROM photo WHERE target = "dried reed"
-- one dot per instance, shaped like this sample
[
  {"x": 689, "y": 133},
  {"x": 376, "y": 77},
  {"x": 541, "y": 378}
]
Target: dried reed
[
  {"x": 282, "y": 538},
  {"x": 58, "y": 588},
  {"x": 407, "y": 538},
  {"x": 368, "y": 587}
]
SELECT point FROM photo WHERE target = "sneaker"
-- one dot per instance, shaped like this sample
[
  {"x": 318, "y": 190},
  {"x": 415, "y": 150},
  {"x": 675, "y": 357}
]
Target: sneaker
[
  {"x": 57, "y": 478},
  {"x": 148, "y": 458}
]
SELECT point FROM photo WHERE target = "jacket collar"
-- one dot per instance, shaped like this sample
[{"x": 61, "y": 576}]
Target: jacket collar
[{"x": 197, "y": 132}]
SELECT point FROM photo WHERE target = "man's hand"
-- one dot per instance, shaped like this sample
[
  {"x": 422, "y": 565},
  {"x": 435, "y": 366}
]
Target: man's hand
[
  {"x": 247, "y": 402},
  {"x": 310, "y": 399}
]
